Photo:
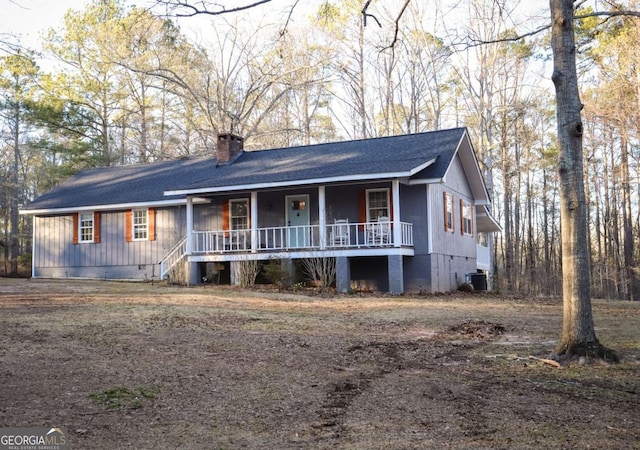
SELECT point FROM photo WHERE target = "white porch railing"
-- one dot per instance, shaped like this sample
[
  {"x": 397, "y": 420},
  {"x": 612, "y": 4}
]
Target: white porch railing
[{"x": 338, "y": 236}]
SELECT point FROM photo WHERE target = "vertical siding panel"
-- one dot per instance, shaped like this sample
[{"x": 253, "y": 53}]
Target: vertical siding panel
[
  {"x": 114, "y": 254},
  {"x": 38, "y": 253},
  {"x": 53, "y": 229},
  {"x": 112, "y": 249},
  {"x": 124, "y": 244},
  {"x": 117, "y": 235},
  {"x": 102, "y": 247},
  {"x": 70, "y": 250},
  {"x": 43, "y": 235},
  {"x": 461, "y": 218},
  {"x": 35, "y": 254},
  {"x": 48, "y": 256},
  {"x": 67, "y": 232},
  {"x": 108, "y": 238},
  {"x": 119, "y": 243}
]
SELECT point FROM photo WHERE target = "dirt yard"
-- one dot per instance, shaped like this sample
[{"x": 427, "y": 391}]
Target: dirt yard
[{"x": 141, "y": 366}]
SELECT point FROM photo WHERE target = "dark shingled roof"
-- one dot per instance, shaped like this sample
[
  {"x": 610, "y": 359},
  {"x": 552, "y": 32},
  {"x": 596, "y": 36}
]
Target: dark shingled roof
[{"x": 142, "y": 183}]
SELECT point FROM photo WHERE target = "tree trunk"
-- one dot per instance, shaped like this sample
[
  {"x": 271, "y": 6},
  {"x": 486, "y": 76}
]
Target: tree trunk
[
  {"x": 578, "y": 334},
  {"x": 627, "y": 221}
]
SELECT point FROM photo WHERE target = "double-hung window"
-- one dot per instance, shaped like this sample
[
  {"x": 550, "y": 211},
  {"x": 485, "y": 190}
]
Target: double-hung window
[
  {"x": 448, "y": 212},
  {"x": 239, "y": 214},
  {"x": 140, "y": 224},
  {"x": 377, "y": 204},
  {"x": 85, "y": 230},
  {"x": 466, "y": 215}
]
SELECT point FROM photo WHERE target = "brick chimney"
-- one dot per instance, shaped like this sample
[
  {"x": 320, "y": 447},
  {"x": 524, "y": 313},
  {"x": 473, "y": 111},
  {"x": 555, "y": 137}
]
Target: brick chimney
[{"x": 229, "y": 147}]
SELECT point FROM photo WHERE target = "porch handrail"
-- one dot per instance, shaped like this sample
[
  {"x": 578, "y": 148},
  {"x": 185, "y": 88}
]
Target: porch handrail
[
  {"x": 284, "y": 238},
  {"x": 220, "y": 241},
  {"x": 173, "y": 257}
]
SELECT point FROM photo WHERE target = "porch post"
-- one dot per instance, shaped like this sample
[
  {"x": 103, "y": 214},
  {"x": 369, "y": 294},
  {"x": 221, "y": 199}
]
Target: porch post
[
  {"x": 254, "y": 221},
  {"x": 429, "y": 221},
  {"x": 192, "y": 267},
  {"x": 396, "y": 274},
  {"x": 343, "y": 274},
  {"x": 34, "y": 245},
  {"x": 397, "y": 230},
  {"x": 189, "y": 225},
  {"x": 322, "y": 217}
]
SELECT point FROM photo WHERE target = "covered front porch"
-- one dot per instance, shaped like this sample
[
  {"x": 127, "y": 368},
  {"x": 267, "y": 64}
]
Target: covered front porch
[
  {"x": 322, "y": 221},
  {"x": 343, "y": 239}
]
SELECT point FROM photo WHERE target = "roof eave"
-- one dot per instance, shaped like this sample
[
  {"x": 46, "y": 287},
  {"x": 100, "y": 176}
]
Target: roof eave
[
  {"x": 107, "y": 207},
  {"x": 310, "y": 181},
  {"x": 489, "y": 223},
  {"x": 480, "y": 197}
]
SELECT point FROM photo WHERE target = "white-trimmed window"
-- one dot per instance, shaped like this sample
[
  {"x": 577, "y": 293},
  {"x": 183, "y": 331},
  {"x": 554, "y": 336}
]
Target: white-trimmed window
[
  {"x": 448, "y": 212},
  {"x": 466, "y": 218},
  {"x": 377, "y": 204},
  {"x": 239, "y": 214},
  {"x": 140, "y": 224},
  {"x": 85, "y": 227}
]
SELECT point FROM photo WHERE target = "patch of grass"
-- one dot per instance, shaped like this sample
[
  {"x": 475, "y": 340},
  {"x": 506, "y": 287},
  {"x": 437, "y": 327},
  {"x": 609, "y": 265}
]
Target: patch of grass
[{"x": 123, "y": 397}]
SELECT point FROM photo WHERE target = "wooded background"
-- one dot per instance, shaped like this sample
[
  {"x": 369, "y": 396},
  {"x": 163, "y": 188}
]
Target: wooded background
[{"x": 116, "y": 84}]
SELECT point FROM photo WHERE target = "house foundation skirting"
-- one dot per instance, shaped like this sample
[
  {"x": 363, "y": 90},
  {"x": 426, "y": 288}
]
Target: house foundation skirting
[{"x": 372, "y": 272}]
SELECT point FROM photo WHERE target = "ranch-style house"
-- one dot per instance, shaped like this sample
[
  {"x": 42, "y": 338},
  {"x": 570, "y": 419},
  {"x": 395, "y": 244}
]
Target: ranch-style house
[{"x": 398, "y": 214}]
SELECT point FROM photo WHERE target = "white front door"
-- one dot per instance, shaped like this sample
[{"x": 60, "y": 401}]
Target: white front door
[{"x": 298, "y": 221}]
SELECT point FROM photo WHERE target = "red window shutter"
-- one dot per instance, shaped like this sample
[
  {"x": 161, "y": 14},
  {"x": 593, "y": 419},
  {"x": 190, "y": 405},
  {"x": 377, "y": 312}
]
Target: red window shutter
[
  {"x": 76, "y": 225},
  {"x": 446, "y": 216},
  {"x": 96, "y": 227},
  {"x": 152, "y": 224},
  {"x": 461, "y": 217},
  {"x": 226, "y": 225},
  {"x": 128, "y": 225},
  {"x": 362, "y": 208},
  {"x": 453, "y": 216}
]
